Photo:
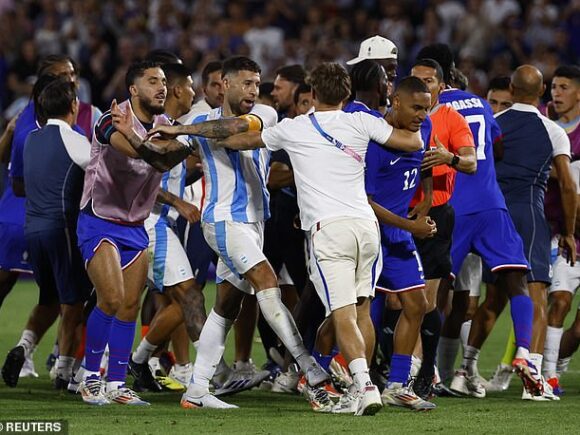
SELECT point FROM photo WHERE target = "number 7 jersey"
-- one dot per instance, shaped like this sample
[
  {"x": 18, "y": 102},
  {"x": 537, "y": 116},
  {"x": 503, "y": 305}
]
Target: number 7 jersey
[{"x": 480, "y": 191}]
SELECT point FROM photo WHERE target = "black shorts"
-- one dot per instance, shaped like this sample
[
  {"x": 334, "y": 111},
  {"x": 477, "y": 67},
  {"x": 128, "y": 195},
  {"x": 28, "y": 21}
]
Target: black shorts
[{"x": 435, "y": 252}]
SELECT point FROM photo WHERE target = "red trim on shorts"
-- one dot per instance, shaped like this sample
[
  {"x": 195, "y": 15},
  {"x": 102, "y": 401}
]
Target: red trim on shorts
[
  {"x": 509, "y": 266},
  {"x": 202, "y": 195},
  {"x": 403, "y": 290}
]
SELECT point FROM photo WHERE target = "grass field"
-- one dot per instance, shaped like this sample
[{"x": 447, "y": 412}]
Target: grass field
[{"x": 269, "y": 413}]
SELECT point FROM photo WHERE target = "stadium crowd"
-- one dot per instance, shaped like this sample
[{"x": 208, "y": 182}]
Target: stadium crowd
[{"x": 353, "y": 190}]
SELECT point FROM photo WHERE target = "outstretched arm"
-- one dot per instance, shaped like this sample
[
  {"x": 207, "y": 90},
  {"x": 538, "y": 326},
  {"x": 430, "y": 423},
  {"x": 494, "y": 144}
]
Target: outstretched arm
[
  {"x": 216, "y": 129},
  {"x": 244, "y": 141}
]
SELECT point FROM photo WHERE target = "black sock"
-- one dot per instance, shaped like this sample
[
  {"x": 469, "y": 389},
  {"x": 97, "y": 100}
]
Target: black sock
[
  {"x": 430, "y": 331},
  {"x": 390, "y": 319}
]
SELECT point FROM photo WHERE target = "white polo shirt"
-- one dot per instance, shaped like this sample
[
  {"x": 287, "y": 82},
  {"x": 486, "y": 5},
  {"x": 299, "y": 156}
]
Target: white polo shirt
[{"x": 329, "y": 181}]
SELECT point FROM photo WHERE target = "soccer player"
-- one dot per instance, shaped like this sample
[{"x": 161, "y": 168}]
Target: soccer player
[
  {"x": 287, "y": 80},
  {"x": 213, "y": 92},
  {"x": 522, "y": 175},
  {"x": 344, "y": 237},
  {"x": 235, "y": 207},
  {"x": 53, "y": 188},
  {"x": 452, "y": 150},
  {"x": 499, "y": 96},
  {"x": 566, "y": 104},
  {"x": 121, "y": 185}
]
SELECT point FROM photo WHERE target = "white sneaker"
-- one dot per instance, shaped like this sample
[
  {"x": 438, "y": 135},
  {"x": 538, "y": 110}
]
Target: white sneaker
[
  {"x": 347, "y": 404},
  {"x": 405, "y": 397},
  {"x": 208, "y": 400},
  {"x": 243, "y": 377},
  {"x": 546, "y": 396},
  {"x": 315, "y": 375},
  {"x": 370, "y": 401},
  {"x": 318, "y": 398},
  {"x": 287, "y": 382},
  {"x": 28, "y": 370},
  {"x": 92, "y": 392},
  {"x": 181, "y": 373},
  {"x": 500, "y": 381},
  {"x": 125, "y": 396},
  {"x": 467, "y": 385}
]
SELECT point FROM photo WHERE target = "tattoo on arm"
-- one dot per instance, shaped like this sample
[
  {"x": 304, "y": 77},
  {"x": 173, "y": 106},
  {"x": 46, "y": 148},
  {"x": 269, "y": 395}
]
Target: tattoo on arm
[
  {"x": 162, "y": 158},
  {"x": 221, "y": 128}
]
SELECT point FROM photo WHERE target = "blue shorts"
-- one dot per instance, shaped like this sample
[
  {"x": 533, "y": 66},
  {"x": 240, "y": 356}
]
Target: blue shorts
[
  {"x": 58, "y": 266},
  {"x": 130, "y": 241},
  {"x": 532, "y": 226},
  {"x": 491, "y": 235},
  {"x": 199, "y": 253},
  {"x": 402, "y": 267},
  {"x": 13, "y": 248}
]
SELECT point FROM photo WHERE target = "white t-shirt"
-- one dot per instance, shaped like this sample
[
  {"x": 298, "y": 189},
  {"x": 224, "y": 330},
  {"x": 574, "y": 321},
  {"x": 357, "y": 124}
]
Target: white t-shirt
[{"x": 329, "y": 181}]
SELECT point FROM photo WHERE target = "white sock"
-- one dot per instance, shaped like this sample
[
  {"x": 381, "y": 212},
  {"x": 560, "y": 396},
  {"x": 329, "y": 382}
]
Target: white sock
[
  {"x": 360, "y": 373},
  {"x": 551, "y": 350},
  {"x": 27, "y": 341},
  {"x": 282, "y": 323},
  {"x": 144, "y": 351},
  {"x": 563, "y": 364},
  {"x": 212, "y": 343},
  {"x": 115, "y": 385},
  {"x": 522, "y": 352},
  {"x": 446, "y": 355},
  {"x": 64, "y": 366},
  {"x": 536, "y": 359},
  {"x": 464, "y": 334},
  {"x": 470, "y": 357},
  {"x": 221, "y": 367}
]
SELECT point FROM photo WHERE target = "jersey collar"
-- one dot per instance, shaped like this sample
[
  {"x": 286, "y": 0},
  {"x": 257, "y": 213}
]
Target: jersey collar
[{"x": 58, "y": 122}]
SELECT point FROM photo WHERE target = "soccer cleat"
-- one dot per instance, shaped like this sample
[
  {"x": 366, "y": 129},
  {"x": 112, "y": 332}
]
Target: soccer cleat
[
  {"x": 529, "y": 376},
  {"x": 340, "y": 373},
  {"x": 243, "y": 377},
  {"x": 91, "y": 390},
  {"x": 61, "y": 384},
  {"x": 50, "y": 361},
  {"x": 347, "y": 404},
  {"x": 125, "y": 396},
  {"x": 287, "y": 382},
  {"x": 315, "y": 375},
  {"x": 370, "y": 401},
  {"x": 12, "y": 366},
  {"x": 405, "y": 397},
  {"x": 442, "y": 390},
  {"x": 556, "y": 387},
  {"x": 144, "y": 380},
  {"x": 28, "y": 370},
  {"x": 547, "y": 394},
  {"x": 169, "y": 384},
  {"x": 467, "y": 385},
  {"x": 318, "y": 398},
  {"x": 206, "y": 401},
  {"x": 423, "y": 386},
  {"x": 500, "y": 381}
]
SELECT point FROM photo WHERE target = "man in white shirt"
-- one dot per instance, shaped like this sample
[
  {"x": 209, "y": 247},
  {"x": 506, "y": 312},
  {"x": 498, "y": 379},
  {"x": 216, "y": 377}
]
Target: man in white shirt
[{"x": 327, "y": 149}]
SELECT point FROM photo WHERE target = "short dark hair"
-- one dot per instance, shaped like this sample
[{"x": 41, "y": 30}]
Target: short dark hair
[
  {"x": 292, "y": 73},
  {"x": 442, "y": 54},
  {"x": 266, "y": 88},
  {"x": 56, "y": 99},
  {"x": 330, "y": 82},
  {"x": 431, "y": 63},
  {"x": 365, "y": 75},
  {"x": 499, "y": 84},
  {"x": 42, "y": 82},
  {"x": 162, "y": 57},
  {"x": 137, "y": 70},
  {"x": 175, "y": 72},
  {"x": 211, "y": 67},
  {"x": 459, "y": 79},
  {"x": 302, "y": 88},
  {"x": 239, "y": 63},
  {"x": 411, "y": 85},
  {"x": 571, "y": 72},
  {"x": 52, "y": 59}
]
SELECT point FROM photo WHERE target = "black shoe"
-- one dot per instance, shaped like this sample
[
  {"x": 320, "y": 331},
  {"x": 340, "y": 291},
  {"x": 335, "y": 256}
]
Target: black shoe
[
  {"x": 379, "y": 377},
  {"x": 12, "y": 366},
  {"x": 60, "y": 384},
  {"x": 144, "y": 380},
  {"x": 441, "y": 390},
  {"x": 423, "y": 386}
]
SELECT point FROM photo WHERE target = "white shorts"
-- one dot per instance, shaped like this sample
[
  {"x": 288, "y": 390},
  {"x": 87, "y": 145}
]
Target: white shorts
[
  {"x": 168, "y": 262},
  {"x": 566, "y": 278},
  {"x": 469, "y": 278},
  {"x": 345, "y": 260},
  {"x": 239, "y": 246}
]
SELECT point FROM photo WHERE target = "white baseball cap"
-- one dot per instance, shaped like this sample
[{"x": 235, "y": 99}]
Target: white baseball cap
[{"x": 375, "y": 47}]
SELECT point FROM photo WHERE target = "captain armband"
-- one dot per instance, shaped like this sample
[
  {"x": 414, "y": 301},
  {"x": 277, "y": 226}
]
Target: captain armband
[{"x": 254, "y": 122}]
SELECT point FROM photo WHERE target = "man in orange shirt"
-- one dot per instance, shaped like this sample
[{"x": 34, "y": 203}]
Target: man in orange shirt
[{"x": 452, "y": 149}]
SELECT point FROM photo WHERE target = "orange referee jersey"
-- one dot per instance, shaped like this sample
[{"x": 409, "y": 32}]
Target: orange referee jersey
[{"x": 453, "y": 132}]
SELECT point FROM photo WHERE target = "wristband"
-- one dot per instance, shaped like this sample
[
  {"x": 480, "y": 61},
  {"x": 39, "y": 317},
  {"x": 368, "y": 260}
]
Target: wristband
[{"x": 454, "y": 161}]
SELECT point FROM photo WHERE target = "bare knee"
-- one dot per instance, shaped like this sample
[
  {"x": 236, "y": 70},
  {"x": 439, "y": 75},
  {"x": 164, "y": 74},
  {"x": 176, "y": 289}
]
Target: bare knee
[
  {"x": 262, "y": 276},
  {"x": 560, "y": 303}
]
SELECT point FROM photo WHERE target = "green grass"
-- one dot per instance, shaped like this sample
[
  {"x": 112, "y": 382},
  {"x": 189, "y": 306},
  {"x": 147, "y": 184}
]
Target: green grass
[{"x": 268, "y": 413}]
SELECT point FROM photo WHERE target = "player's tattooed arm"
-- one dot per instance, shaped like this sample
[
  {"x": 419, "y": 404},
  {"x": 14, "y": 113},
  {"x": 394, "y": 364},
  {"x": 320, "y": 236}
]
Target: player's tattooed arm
[
  {"x": 215, "y": 129},
  {"x": 244, "y": 141}
]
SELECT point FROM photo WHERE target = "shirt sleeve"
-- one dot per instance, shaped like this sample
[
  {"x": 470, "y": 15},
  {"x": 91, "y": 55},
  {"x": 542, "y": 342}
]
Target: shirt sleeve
[
  {"x": 104, "y": 128},
  {"x": 77, "y": 146},
  {"x": 378, "y": 129},
  {"x": 267, "y": 114},
  {"x": 459, "y": 132},
  {"x": 274, "y": 137},
  {"x": 372, "y": 168},
  {"x": 16, "y": 165},
  {"x": 560, "y": 141},
  {"x": 575, "y": 170}
]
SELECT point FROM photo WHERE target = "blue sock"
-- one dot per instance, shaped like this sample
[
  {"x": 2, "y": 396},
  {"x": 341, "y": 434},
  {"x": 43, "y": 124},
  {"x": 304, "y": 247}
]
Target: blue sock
[
  {"x": 400, "y": 368},
  {"x": 324, "y": 360},
  {"x": 377, "y": 310},
  {"x": 522, "y": 310},
  {"x": 120, "y": 344},
  {"x": 98, "y": 331}
]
